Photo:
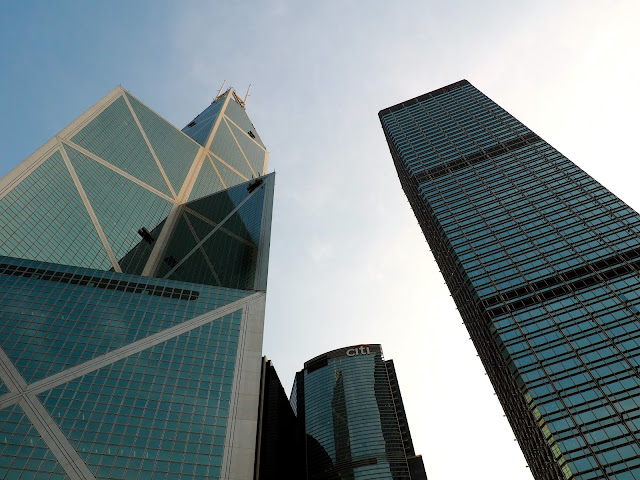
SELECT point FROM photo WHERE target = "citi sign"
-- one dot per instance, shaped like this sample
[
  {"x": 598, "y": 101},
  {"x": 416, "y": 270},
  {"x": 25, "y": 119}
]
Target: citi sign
[{"x": 358, "y": 350}]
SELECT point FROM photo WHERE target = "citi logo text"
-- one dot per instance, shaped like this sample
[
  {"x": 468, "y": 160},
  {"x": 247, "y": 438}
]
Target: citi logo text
[{"x": 358, "y": 350}]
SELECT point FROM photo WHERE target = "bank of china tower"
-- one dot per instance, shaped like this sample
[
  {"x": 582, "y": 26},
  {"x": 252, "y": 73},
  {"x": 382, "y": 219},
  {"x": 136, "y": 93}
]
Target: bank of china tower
[{"x": 133, "y": 272}]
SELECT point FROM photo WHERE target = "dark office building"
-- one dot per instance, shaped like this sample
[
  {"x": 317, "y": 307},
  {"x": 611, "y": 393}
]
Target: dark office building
[
  {"x": 279, "y": 455},
  {"x": 133, "y": 270},
  {"x": 351, "y": 419},
  {"x": 542, "y": 262}
]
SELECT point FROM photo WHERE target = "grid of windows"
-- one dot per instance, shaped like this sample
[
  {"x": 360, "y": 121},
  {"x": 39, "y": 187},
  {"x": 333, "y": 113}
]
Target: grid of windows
[
  {"x": 111, "y": 196},
  {"x": 208, "y": 180},
  {"x": 239, "y": 116},
  {"x": 225, "y": 146},
  {"x": 543, "y": 264},
  {"x": 43, "y": 218},
  {"x": 350, "y": 419},
  {"x": 175, "y": 151},
  {"x": 255, "y": 155},
  {"x": 228, "y": 250},
  {"x": 160, "y": 413},
  {"x": 228, "y": 176},
  {"x": 200, "y": 127},
  {"x": 114, "y": 136},
  {"x": 49, "y": 325},
  {"x": 23, "y": 454}
]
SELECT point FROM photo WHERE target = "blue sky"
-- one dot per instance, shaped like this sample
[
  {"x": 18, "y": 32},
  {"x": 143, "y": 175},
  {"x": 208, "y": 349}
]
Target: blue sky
[{"x": 349, "y": 264}]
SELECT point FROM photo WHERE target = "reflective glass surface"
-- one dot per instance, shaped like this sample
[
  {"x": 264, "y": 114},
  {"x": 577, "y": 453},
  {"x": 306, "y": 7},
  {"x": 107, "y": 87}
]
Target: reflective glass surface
[
  {"x": 135, "y": 259},
  {"x": 112, "y": 196},
  {"x": 135, "y": 372},
  {"x": 43, "y": 218},
  {"x": 207, "y": 182},
  {"x": 255, "y": 155},
  {"x": 200, "y": 127},
  {"x": 175, "y": 151},
  {"x": 225, "y": 146},
  {"x": 229, "y": 176},
  {"x": 350, "y": 421},
  {"x": 54, "y": 317},
  {"x": 543, "y": 263},
  {"x": 23, "y": 454},
  {"x": 114, "y": 136},
  {"x": 158, "y": 410},
  {"x": 227, "y": 231},
  {"x": 239, "y": 116},
  {"x": 161, "y": 413}
]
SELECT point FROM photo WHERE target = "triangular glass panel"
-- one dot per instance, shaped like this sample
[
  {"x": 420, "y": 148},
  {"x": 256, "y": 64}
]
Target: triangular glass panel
[
  {"x": 208, "y": 181},
  {"x": 232, "y": 257},
  {"x": 181, "y": 242},
  {"x": 253, "y": 152},
  {"x": 175, "y": 151},
  {"x": 170, "y": 397},
  {"x": 111, "y": 195},
  {"x": 218, "y": 206},
  {"x": 44, "y": 218},
  {"x": 82, "y": 313},
  {"x": 225, "y": 146},
  {"x": 229, "y": 177},
  {"x": 228, "y": 226},
  {"x": 236, "y": 113},
  {"x": 115, "y": 137},
  {"x": 200, "y": 127},
  {"x": 21, "y": 446}
]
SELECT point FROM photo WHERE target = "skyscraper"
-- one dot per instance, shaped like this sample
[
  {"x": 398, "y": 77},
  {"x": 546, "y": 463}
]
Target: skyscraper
[
  {"x": 133, "y": 275},
  {"x": 542, "y": 262},
  {"x": 351, "y": 418}
]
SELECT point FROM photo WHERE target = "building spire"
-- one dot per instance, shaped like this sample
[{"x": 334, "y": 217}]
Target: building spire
[{"x": 219, "y": 91}]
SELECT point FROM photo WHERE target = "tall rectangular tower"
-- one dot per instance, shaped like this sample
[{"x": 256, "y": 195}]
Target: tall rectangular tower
[
  {"x": 133, "y": 270},
  {"x": 542, "y": 262}
]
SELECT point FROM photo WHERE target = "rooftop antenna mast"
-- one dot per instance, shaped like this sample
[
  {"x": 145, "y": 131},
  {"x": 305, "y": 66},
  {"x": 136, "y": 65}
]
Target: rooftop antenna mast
[
  {"x": 247, "y": 95},
  {"x": 220, "y": 91}
]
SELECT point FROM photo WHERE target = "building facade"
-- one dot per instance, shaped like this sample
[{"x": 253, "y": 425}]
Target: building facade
[
  {"x": 133, "y": 269},
  {"x": 542, "y": 262},
  {"x": 351, "y": 419}
]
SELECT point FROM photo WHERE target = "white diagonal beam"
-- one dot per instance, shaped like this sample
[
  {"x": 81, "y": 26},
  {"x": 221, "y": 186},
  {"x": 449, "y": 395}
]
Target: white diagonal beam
[
  {"x": 253, "y": 173},
  {"x": 25, "y": 168},
  {"x": 217, "y": 157},
  {"x": 214, "y": 224},
  {"x": 115, "y": 355},
  {"x": 202, "y": 251},
  {"x": 119, "y": 171},
  {"x": 213, "y": 164},
  {"x": 55, "y": 439},
  {"x": 208, "y": 235},
  {"x": 49, "y": 431},
  {"x": 10, "y": 375},
  {"x": 153, "y": 152},
  {"x": 89, "y": 208},
  {"x": 246, "y": 134}
]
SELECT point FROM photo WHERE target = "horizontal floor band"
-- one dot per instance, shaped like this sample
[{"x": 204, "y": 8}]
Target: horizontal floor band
[
  {"x": 564, "y": 283},
  {"x": 468, "y": 160}
]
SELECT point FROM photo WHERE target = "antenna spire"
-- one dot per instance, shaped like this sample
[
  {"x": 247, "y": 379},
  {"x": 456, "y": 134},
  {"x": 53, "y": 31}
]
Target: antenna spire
[
  {"x": 220, "y": 91},
  {"x": 247, "y": 95}
]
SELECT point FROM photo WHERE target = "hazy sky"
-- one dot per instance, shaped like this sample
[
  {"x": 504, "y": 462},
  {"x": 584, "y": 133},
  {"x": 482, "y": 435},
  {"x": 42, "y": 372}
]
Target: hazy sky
[{"x": 348, "y": 261}]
